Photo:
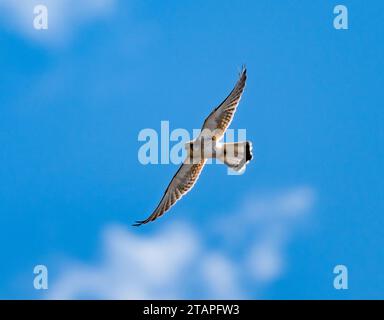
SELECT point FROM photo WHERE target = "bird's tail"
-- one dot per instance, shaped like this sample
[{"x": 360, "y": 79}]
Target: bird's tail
[{"x": 236, "y": 155}]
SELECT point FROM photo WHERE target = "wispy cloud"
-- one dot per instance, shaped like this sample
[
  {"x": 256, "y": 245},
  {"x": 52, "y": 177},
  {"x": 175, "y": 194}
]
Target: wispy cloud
[
  {"x": 179, "y": 261},
  {"x": 64, "y": 16},
  {"x": 133, "y": 266}
]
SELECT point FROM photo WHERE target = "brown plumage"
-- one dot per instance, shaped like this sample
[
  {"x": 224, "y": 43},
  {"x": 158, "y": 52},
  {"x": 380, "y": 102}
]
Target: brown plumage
[
  {"x": 181, "y": 183},
  {"x": 221, "y": 117},
  {"x": 213, "y": 129}
]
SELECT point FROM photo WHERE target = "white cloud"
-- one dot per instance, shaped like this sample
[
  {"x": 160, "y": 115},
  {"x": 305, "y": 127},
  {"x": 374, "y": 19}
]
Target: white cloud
[
  {"x": 265, "y": 262},
  {"x": 64, "y": 17},
  {"x": 180, "y": 261},
  {"x": 132, "y": 267},
  {"x": 267, "y": 223},
  {"x": 220, "y": 276}
]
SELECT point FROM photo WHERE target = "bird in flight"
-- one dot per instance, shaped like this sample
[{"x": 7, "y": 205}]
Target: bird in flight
[{"x": 206, "y": 145}]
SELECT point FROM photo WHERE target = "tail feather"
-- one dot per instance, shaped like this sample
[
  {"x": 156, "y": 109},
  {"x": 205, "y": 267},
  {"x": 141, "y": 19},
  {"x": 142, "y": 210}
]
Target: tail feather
[{"x": 237, "y": 155}]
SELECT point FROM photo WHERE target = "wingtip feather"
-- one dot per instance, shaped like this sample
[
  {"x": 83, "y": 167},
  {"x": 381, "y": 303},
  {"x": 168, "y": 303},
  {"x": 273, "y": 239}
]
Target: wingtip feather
[
  {"x": 138, "y": 223},
  {"x": 243, "y": 69}
]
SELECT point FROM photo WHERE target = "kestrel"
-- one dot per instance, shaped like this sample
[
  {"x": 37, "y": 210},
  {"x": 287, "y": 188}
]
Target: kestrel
[{"x": 206, "y": 145}]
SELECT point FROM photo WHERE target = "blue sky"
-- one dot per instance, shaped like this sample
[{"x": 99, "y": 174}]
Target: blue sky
[{"x": 74, "y": 98}]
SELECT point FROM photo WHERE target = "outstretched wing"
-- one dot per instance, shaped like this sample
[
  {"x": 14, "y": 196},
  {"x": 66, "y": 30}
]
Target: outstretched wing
[
  {"x": 221, "y": 117},
  {"x": 181, "y": 183}
]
